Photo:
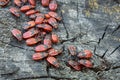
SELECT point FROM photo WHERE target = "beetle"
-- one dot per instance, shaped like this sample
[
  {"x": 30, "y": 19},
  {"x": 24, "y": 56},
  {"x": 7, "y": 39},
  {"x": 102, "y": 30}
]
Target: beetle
[
  {"x": 30, "y": 12},
  {"x": 26, "y": 8},
  {"x": 17, "y": 34},
  {"x": 53, "y": 5},
  {"x": 86, "y": 63},
  {"x": 75, "y": 65},
  {"x": 55, "y": 15},
  {"x": 53, "y": 22},
  {"x": 41, "y": 48},
  {"x": 72, "y": 50},
  {"x": 85, "y": 54},
  {"x": 33, "y": 16},
  {"x": 18, "y": 3},
  {"x": 32, "y": 41},
  {"x": 4, "y": 2},
  {"x": 32, "y": 2},
  {"x": 55, "y": 38},
  {"x": 47, "y": 16},
  {"x": 46, "y": 27},
  {"x": 54, "y": 52},
  {"x": 30, "y": 33},
  {"x": 39, "y": 56},
  {"x": 15, "y": 11},
  {"x": 39, "y": 19},
  {"x": 45, "y": 2},
  {"x": 28, "y": 25},
  {"x": 53, "y": 61},
  {"x": 47, "y": 40}
]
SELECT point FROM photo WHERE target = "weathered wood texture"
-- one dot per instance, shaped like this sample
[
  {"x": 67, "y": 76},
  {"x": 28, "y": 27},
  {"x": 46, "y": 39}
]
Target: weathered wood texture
[{"x": 87, "y": 24}]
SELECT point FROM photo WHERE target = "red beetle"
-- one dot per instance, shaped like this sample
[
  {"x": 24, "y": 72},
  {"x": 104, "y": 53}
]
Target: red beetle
[
  {"x": 17, "y": 34},
  {"x": 28, "y": 25},
  {"x": 55, "y": 15},
  {"x": 15, "y": 11},
  {"x": 45, "y": 2},
  {"x": 33, "y": 16},
  {"x": 47, "y": 40},
  {"x": 46, "y": 27},
  {"x": 39, "y": 19},
  {"x": 53, "y": 5},
  {"x": 53, "y": 61},
  {"x": 32, "y": 2},
  {"x": 86, "y": 63},
  {"x": 55, "y": 38},
  {"x": 18, "y": 3},
  {"x": 41, "y": 48},
  {"x": 74, "y": 65},
  {"x": 39, "y": 56},
  {"x": 54, "y": 52},
  {"x": 47, "y": 16},
  {"x": 30, "y": 33},
  {"x": 32, "y": 41},
  {"x": 53, "y": 22},
  {"x": 30, "y": 12},
  {"x": 26, "y": 8},
  {"x": 4, "y": 2},
  {"x": 85, "y": 54},
  {"x": 72, "y": 50}
]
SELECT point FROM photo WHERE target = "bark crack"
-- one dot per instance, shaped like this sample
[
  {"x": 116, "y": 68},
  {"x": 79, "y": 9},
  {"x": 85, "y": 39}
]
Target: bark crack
[
  {"x": 104, "y": 54},
  {"x": 67, "y": 36},
  {"x": 116, "y": 67},
  {"x": 94, "y": 51},
  {"x": 87, "y": 43},
  {"x": 100, "y": 39},
  {"x": 116, "y": 29},
  {"x": 39, "y": 77},
  {"x": 114, "y": 50},
  {"x": 71, "y": 39},
  {"x": 20, "y": 47}
]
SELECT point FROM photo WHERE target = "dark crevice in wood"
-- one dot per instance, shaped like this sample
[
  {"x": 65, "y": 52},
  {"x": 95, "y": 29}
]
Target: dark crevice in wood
[
  {"x": 20, "y": 47},
  {"x": 71, "y": 40},
  {"x": 116, "y": 29},
  {"x": 114, "y": 50},
  {"x": 116, "y": 67},
  {"x": 94, "y": 51},
  {"x": 39, "y": 77},
  {"x": 103, "y": 34},
  {"x": 88, "y": 43},
  {"x": 67, "y": 36},
  {"x": 104, "y": 54},
  {"x": 47, "y": 69},
  {"x": 74, "y": 38},
  {"x": 61, "y": 78},
  {"x": 36, "y": 77}
]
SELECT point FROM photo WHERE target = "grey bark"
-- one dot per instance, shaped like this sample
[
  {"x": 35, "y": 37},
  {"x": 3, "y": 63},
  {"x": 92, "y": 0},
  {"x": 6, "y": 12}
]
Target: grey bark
[{"x": 87, "y": 24}]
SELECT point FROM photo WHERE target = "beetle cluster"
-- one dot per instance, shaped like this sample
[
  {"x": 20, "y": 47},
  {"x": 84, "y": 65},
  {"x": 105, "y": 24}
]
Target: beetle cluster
[
  {"x": 39, "y": 29},
  {"x": 77, "y": 60}
]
